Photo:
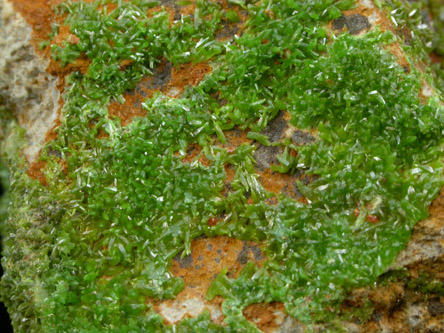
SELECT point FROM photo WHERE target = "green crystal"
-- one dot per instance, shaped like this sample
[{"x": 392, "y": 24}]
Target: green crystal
[{"x": 129, "y": 204}]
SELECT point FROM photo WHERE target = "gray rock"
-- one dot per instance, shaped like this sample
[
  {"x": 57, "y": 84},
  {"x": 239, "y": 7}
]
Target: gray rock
[{"x": 25, "y": 86}]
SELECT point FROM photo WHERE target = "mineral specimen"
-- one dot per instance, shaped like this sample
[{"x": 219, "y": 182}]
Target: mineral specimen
[{"x": 222, "y": 166}]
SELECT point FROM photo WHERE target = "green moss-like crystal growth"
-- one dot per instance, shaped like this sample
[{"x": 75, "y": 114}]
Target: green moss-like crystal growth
[{"x": 85, "y": 251}]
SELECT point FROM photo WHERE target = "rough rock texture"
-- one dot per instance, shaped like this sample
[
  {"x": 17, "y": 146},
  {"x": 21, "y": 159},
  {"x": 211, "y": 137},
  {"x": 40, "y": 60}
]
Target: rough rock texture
[
  {"x": 31, "y": 93},
  {"x": 27, "y": 89}
]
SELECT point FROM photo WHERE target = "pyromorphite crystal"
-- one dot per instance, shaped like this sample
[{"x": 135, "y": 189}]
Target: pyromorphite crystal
[{"x": 90, "y": 249}]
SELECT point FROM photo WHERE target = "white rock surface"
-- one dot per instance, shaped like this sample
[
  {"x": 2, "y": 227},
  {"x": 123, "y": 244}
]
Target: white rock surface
[{"x": 25, "y": 86}]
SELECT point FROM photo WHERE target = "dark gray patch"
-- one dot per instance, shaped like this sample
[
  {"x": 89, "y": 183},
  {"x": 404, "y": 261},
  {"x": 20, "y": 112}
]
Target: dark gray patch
[
  {"x": 296, "y": 193},
  {"x": 217, "y": 260},
  {"x": 285, "y": 190},
  {"x": 132, "y": 92},
  {"x": 220, "y": 101},
  {"x": 377, "y": 316},
  {"x": 302, "y": 138},
  {"x": 185, "y": 262},
  {"x": 200, "y": 257},
  {"x": 197, "y": 267},
  {"x": 162, "y": 75},
  {"x": 266, "y": 156},
  {"x": 355, "y": 23},
  {"x": 435, "y": 307},
  {"x": 242, "y": 257},
  {"x": 339, "y": 23},
  {"x": 292, "y": 191},
  {"x": 219, "y": 251},
  {"x": 276, "y": 127},
  {"x": 137, "y": 103},
  {"x": 55, "y": 153},
  {"x": 256, "y": 252},
  {"x": 305, "y": 179},
  {"x": 427, "y": 19},
  {"x": 172, "y": 4},
  {"x": 227, "y": 30},
  {"x": 139, "y": 90},
  {"x": 228, "y": 189},
  {"x": 210, "y": 247},
  {"x": 190, "y": 150}
]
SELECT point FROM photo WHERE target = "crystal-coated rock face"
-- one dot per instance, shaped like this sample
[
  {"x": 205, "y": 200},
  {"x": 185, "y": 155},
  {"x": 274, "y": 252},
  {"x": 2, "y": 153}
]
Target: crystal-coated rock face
[{"x": 222, "y": 165}]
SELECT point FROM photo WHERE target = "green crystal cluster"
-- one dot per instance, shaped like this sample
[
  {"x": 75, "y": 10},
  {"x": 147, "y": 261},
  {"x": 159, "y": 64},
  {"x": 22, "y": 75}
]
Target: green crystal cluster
[
  {"x": 420, "y": 27},
  {"x": 84, "y": 252}
]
